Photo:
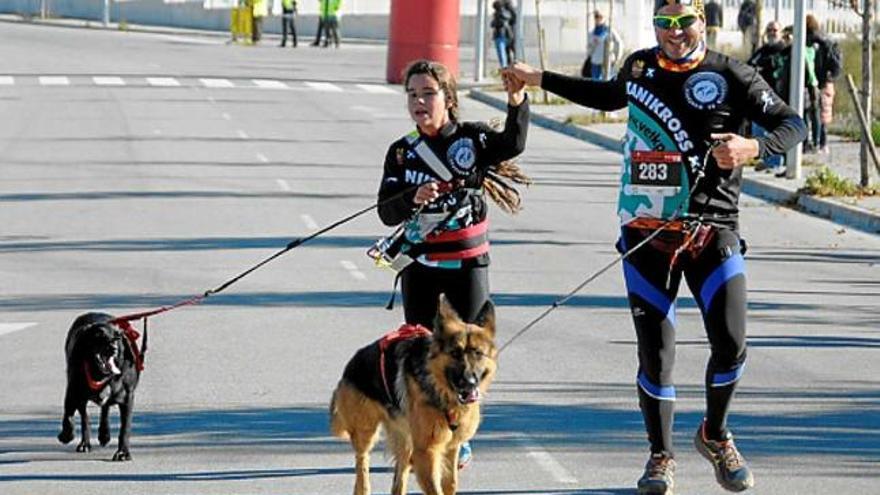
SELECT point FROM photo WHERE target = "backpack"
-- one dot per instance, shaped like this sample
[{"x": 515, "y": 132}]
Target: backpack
[
  {"x": 746, "y": 17},
  {"x": 833, "y": 60}
]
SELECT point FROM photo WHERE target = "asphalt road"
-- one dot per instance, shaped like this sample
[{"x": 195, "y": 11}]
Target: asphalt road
[{"x": 139, "y": 169}]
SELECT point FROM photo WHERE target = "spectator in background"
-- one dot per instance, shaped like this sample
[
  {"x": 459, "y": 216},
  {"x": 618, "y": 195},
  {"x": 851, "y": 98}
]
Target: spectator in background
[
  {"x": 321, "y": 26},
  {"x": 503, "y": 31},
  {"x": 748, "y": 25},
  {"x": 810, "y": 90},
  {"x": 770, "y": 62},
  {"x": 330, "y": 15},
  {"x": 288, "y": 11},
  {"x": 259, "y": 10},
  {"x": 603, "y": 40},
  {"x": 828, "y": 65},
  {"x": 714, "y": 22}
]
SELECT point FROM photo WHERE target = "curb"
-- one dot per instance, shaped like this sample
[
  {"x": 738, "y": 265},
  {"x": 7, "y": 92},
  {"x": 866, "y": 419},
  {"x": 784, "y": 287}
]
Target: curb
[{"x": 851, "y": 216}]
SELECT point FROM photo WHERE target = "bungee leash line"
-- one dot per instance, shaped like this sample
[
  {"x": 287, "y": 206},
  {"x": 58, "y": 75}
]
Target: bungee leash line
[
  {"x": 122, "y": 321},
  {"x": 700, "y": 173}
]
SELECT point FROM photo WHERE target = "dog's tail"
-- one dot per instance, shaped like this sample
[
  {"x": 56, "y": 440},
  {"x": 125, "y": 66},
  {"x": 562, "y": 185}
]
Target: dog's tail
[{"x": 337, "y": 424}]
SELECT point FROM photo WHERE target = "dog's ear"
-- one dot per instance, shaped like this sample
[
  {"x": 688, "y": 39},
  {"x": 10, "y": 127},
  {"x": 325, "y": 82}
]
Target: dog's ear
[
  {"x": 446, "y": 314},
  {"x": 486, "y": 317}
]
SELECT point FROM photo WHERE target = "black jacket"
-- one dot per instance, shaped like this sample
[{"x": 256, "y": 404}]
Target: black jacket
[
  {"x": 468, "y": 149},
  {"x": 677, "y": 111}
]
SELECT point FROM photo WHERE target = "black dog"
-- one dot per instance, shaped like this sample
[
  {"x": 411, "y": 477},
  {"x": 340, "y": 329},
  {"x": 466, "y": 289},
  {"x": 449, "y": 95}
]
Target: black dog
[{"x": 102, "y": 366}]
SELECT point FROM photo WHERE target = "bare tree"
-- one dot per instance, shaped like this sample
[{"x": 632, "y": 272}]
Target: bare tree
[{"x": 866, "y": 12}]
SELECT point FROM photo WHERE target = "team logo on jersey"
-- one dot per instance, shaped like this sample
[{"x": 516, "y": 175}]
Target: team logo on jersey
[
  {"x": 705, "y": 90},
  {"x": 399, "y": 153},
  {"x": 638, "y": 68},
  {"x": 462, "y": 155},
  {"x": 767, "y": 100}
]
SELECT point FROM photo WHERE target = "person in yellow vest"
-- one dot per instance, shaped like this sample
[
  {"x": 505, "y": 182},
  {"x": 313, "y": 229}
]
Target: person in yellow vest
[
  {"x": 288, "y": 15},
  {"x": 259, "y": 10},
  {"x": 330, "y": 19}
]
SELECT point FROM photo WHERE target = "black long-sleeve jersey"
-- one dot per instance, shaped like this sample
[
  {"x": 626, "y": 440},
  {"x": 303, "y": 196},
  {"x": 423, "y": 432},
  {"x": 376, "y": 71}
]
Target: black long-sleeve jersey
[
  {"x": 671, "y": 116},
  {"x": 467, "y": 149}
]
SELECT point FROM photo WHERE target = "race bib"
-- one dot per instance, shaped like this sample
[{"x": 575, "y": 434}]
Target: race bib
[{"x": 655, "y": 172}]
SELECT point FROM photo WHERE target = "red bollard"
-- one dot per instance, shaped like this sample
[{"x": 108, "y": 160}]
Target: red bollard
[{"x": 418, "y": 29}]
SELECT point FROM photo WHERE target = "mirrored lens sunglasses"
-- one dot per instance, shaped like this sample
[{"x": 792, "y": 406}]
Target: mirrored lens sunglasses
[{"x": 683, "y": 21}]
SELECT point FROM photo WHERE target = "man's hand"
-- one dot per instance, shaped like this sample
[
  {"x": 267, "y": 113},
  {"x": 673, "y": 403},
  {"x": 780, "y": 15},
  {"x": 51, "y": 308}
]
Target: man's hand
[
  {"x": 516, "y": 89},
  {"x": 733, "y": 150},
  {"x": 525, "y": 73},
  {"x": 426, "y": 193}
]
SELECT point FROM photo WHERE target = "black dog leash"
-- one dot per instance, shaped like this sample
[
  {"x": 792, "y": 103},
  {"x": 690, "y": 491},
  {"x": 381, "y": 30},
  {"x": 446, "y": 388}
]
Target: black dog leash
[{"x": 123, "y": 321}]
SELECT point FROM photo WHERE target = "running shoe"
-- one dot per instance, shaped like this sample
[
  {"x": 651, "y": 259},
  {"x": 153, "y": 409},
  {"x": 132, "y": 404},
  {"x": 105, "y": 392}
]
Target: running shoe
[
  {"x": 658, "y": 478},
  {"x": 731, "y": 470}
]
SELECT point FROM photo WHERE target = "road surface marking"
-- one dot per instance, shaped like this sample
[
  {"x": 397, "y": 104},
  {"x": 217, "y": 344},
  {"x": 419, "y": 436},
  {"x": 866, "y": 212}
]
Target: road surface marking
[
  {"x": 7, "y": 80},
  {"x": 241, "y": 134},
  {"x": 353, "y": 270},
  {"x": 323, "y": 86},
  {"x": 108, "y": 81},
  {"x": 546, "y": 461},
  {"x": 166, "y": 82},
  {"x": 262, "y": 158},
  {"x": 54, "y": 81},
  {"x": 14, "y": 327},
  {"x": 376, "y": 88},
  {"x": 310, "y": 222},
  {"x": 270, "y": 84},
  {"x": 217, "y": 83},
  {"x": 283, "y": 184}
]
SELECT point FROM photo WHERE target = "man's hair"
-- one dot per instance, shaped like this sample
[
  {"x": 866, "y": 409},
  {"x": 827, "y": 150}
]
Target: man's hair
[
  {"x": 444, "y": 78},
  {"x": 697, "y": 5}
]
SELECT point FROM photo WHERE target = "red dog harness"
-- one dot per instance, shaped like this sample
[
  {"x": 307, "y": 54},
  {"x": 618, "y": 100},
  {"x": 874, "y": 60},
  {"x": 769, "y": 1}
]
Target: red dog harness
[{"x": 405, "y": 332}]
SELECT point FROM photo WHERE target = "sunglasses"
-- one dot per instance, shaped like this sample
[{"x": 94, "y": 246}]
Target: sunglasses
[{"x": 682, "y": 21}]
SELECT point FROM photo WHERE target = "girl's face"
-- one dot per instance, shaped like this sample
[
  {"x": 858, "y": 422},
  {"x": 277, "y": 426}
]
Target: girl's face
[{"x": 427, "y": 103}]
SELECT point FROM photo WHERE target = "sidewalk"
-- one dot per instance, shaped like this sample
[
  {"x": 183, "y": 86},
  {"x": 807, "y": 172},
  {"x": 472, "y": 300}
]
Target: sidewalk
[{"x": 858, "y": 213}]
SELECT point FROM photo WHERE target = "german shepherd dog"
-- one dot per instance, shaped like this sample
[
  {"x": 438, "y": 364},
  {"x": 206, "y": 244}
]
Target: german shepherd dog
[
  {"x": 102, "y": 368},
  {"x": 424, "y": 389}
]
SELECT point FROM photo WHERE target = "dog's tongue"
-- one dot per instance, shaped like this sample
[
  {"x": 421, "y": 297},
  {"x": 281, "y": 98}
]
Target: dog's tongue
[
  {"x": 472, "y": 396},
  {"x": 111, "y": 363}
]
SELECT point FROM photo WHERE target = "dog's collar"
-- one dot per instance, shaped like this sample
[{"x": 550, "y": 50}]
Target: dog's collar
[{"x": 94, "y": 385}]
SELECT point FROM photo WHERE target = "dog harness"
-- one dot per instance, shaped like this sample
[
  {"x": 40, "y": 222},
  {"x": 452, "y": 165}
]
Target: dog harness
[{"x": 405, "y": 332}]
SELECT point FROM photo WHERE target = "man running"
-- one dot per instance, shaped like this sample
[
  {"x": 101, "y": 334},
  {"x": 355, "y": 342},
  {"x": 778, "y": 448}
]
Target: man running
[{"x": 681, "y": 174}]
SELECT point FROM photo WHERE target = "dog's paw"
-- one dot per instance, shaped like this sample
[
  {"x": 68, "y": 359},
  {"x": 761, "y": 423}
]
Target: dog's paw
[
  {"x": 121, "y": 455},
  {"x": 84, "y": 447},
  {"x": 66, "y": 436}
]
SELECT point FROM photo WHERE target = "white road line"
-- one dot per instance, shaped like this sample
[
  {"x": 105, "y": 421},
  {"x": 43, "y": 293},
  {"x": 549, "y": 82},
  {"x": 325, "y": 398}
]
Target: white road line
[
  {"x": 270, "y": 84},
  {"x": 165, "y": 82},
  {"x": 217, "y": 83},
  {"x": 546, "y": 461},
  {"x": 7, "y": 80},
  {"x": 262, "y": 158},
  {"x": 353, "y": 270},
  {"x": 108, "y": 81},
  {"x": 323, "y": 86},
  {"x": 14, "y": 327},
  {"x": 376, "y": 88},
  {"x": 310, "y": 222},
  {"x": 226, "y": 116},
  {"x": 54, "y": 81},
  {"x": 283, "y": 184},
  {"x": 242, "y": 134}
]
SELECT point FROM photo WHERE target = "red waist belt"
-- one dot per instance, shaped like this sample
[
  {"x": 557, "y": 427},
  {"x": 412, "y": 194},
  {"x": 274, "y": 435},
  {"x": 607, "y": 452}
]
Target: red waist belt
[{"x": 460, "y": 244}]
